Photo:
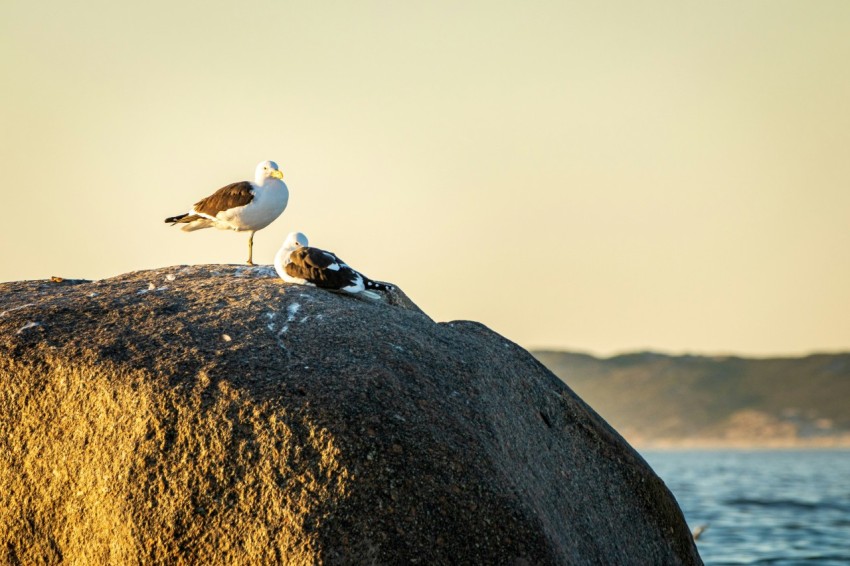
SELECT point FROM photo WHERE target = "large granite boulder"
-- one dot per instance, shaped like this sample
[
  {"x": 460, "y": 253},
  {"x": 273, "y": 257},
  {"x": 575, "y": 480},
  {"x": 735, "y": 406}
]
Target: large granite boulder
[{"x": 215, "y": 415}]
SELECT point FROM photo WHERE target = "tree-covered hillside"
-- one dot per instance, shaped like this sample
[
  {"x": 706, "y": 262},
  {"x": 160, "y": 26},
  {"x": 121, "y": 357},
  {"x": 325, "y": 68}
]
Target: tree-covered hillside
[{"x": 652, "y": 397}]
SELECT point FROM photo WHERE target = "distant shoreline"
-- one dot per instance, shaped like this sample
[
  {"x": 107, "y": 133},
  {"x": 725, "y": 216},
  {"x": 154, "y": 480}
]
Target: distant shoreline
[
  {"x": 661, "y": 402},
  {"x": 708, "y": 444}
]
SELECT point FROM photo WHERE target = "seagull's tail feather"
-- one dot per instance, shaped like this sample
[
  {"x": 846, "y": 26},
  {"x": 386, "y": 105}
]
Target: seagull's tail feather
[
  {"x": 378, "y": 285},
  {"x": 190, "y": 222},
  {"x": 175, "y": 219},
  {"x": 372, "y": 286}
]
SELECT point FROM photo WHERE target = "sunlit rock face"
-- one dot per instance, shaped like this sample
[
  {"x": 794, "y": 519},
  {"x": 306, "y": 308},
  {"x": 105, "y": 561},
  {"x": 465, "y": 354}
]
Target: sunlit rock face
[{"x": 215, "y": 415}]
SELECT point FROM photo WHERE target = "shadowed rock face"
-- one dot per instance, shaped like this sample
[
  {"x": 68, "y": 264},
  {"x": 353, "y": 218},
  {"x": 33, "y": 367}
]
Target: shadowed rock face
[{"x": 213, "y": 414}]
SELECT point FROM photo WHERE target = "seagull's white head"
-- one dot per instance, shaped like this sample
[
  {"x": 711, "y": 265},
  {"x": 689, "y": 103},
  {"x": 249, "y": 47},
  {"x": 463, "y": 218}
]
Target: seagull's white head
[
  {"x": 266, "y": 170},
  {"x": 295, "y": 240},
  {"x": 292, "y": 242}
]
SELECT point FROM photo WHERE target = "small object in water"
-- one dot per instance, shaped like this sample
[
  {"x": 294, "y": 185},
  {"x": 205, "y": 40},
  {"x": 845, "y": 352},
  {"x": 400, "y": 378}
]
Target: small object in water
[{"x": 698, "y": 530}]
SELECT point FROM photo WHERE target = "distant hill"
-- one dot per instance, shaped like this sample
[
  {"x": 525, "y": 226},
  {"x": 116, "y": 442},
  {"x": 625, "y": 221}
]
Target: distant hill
[{"x": 660, "y": 400}]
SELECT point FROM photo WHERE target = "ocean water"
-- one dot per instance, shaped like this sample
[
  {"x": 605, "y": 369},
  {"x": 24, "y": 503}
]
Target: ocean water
[{"x": 763, "y": 507}]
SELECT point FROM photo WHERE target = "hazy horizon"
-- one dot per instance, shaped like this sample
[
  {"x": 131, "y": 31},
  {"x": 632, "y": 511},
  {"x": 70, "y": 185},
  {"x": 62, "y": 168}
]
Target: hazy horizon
[{"x": 603, "y": 177}]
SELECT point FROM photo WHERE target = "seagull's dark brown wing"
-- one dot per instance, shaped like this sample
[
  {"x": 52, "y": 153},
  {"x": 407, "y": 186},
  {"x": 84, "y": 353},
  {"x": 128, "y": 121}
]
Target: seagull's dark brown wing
[
  {"x": 321, "y": 268},
  {"x": 232, "y": 196}
]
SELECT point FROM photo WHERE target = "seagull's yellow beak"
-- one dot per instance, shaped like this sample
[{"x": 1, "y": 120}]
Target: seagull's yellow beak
[{"x": 277, "y": 174}]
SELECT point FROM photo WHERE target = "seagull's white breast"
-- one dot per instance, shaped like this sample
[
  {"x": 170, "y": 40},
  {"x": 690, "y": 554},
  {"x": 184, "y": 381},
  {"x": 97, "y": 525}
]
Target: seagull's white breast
[
  {"x": 281, "y": 259},
  {"x": 270, "y": 199}
]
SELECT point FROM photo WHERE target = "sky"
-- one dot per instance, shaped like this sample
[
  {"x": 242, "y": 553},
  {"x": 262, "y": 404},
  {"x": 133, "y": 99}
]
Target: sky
[{"x": 602, "y": 176}]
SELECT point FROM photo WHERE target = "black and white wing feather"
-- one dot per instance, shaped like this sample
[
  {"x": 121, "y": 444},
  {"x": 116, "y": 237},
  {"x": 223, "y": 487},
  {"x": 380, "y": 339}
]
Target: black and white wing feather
[{"x": 321, "y": 268}]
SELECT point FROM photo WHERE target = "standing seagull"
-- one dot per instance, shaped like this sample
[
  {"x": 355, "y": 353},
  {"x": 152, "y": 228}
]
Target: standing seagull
[
  {"x": 242, "y": 206},
  {"x": 296, "y": 262}
]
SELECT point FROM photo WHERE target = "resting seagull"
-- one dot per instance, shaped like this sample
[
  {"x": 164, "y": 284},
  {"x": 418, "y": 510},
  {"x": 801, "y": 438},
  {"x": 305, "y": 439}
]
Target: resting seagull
[
  {"x": 242, "y": 206},
  {"x": 296, "y": 262}
]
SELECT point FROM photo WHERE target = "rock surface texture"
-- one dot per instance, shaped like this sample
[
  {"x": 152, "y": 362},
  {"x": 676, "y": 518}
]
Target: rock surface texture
[{"x": 215, "y": 415}]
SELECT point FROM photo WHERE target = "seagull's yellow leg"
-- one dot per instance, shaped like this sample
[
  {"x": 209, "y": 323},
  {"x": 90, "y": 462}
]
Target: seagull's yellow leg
[{"x": 251, "y": 248}]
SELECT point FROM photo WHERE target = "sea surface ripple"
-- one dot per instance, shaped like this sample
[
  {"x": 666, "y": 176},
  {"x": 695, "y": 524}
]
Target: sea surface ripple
[{"x": 763, "y": 507}]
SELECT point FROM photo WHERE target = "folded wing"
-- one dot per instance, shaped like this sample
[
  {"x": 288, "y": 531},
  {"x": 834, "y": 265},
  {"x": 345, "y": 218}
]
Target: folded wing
[{"x": 321, "y": 268}]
